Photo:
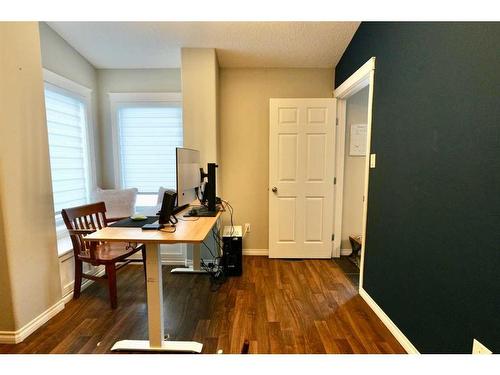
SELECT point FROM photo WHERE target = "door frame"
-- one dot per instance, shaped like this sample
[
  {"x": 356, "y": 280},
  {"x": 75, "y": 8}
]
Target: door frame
[{"x": 363, "y": 77}]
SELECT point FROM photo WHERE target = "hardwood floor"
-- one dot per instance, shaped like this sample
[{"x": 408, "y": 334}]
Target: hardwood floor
[{"x": 279, "y": 306}]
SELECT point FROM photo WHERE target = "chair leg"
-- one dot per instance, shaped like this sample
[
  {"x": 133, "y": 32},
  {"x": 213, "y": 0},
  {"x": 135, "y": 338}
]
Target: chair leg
[
  {"x": 77, "y": 288},
  {"x": 111, "y": 272},
  {"x": 144, "y": 264}
]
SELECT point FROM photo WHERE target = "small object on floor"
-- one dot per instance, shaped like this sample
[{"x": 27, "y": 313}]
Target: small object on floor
[
  {"x": 245, "y": 347},
  {"x": 138, "y": 217},
  {"x": 356, "y": 244}
]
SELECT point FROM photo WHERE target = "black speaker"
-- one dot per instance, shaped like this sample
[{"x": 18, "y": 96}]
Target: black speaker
[{"x": 232, "y": 256}]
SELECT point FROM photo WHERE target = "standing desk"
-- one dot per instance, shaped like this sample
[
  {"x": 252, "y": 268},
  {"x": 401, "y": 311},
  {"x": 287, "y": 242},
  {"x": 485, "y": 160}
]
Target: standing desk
[{"x": 191, "y": 232}]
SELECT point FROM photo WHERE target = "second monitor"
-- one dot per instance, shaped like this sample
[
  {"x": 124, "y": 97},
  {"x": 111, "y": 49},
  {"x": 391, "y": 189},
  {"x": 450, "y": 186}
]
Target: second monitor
[
  {"x": 209, "y": 198},
  {"x": 188, "y": 175},
  {"x": 191, "y": 182}
]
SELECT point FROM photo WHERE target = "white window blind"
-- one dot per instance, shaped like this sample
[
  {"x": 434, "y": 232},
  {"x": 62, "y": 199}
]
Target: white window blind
[
  {"x": 148, "y": 136},
  {"x": 67, "y": 130}
]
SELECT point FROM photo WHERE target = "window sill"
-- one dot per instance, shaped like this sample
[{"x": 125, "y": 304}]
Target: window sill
[{"x": 64, "y": 246}]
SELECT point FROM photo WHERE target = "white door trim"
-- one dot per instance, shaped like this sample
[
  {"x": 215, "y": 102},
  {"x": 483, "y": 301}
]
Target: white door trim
[
  {"x": 364, "y": 76},
  {"x": 356, "y": 82},
  {"x": 338, "y": 197}
]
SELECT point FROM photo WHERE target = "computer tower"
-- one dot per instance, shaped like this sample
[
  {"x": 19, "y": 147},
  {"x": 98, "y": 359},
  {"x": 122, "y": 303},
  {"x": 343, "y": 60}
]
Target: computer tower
[{"x": 232, "y": 247}]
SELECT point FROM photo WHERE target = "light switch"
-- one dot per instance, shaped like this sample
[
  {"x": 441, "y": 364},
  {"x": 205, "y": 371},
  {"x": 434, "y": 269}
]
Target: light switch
[{"x": 372, "y": 160}]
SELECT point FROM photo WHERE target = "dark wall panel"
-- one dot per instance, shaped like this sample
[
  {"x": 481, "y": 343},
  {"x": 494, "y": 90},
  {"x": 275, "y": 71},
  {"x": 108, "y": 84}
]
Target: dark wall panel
[{"x": 433, "y": 233}]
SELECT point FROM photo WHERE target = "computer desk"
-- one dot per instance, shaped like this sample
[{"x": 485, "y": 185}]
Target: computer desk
[{"x": 189, "y": 231}]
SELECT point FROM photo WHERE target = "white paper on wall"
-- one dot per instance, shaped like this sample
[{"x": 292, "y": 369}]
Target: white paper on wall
[{"x": 357, "y": 145}]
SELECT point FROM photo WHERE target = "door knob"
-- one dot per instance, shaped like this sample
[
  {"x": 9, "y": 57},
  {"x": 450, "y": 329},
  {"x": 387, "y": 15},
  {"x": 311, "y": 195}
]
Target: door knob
[{"x": 274, "y": 189}]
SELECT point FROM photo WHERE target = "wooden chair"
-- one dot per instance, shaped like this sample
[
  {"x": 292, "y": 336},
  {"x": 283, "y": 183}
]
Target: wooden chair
[{"x": 83, "y": 220}]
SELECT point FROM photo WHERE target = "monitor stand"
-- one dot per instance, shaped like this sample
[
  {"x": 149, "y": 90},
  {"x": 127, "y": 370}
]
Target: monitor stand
[
  {"x": 178, "y": 209},
  {"x": 201, "y": 212}
]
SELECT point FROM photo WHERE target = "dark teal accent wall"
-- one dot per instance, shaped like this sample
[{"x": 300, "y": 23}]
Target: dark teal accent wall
[{"x": 433, "y": 233}]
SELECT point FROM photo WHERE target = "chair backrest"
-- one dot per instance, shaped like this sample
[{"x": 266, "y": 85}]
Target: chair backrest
[{"x": 82, "y": 220}]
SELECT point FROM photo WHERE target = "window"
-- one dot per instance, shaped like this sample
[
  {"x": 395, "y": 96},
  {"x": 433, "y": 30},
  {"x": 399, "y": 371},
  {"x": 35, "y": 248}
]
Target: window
[
  {"x": 148, "y": 130},
  {"x": 70, "y": 162}
]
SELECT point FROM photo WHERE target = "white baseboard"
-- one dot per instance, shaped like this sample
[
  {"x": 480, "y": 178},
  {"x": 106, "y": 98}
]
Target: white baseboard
[
  {"x": 345, "y": 252},
  {"x": 256, "y": 252},
  {"x": 15, "y": 337},
  {"x": 396, "y": 332},
  {"x": 166, "y": 259},
  {"x": 173, "y": 260}
]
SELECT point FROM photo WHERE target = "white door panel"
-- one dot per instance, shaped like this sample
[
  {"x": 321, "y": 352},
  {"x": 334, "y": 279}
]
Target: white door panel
[
  {"x": 288, "y": 157},
  {"x": 301, "y": 168}
]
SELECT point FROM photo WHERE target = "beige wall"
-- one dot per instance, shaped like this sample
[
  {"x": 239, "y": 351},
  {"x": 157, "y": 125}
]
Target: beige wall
[
  {"x": 25, "y": 186},
  {"x": 354, "y": 171},
  {"x": 244, "y": 120},
  {"x": 6, "y": 308},
  {"x": 200, "y": 93},
  {"x": 126, "y": 80},
  {"x": 199, "y": 106},
  {"x": 61, "y": 58}
]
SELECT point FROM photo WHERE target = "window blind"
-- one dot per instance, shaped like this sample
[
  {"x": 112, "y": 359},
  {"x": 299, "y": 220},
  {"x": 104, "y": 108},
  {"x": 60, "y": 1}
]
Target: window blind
[
  {"x": 148, "y": 136},
  {"x": 66, "y": 125}
]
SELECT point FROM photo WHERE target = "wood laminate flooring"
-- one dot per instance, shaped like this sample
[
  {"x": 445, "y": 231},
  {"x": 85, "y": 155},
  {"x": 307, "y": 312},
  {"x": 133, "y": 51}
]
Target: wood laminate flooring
[{"x": 280, "y": 306}]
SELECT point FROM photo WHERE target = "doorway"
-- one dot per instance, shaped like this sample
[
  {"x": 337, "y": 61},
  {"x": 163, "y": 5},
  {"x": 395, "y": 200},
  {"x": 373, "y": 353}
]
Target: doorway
[
  {"x": 354, "y": 182},
  {"x": 355, "y": 97}
]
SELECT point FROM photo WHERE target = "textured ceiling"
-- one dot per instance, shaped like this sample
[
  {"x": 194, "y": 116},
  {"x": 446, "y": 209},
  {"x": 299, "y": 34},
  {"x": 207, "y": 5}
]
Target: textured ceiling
[{"x": 238, "y": 44}]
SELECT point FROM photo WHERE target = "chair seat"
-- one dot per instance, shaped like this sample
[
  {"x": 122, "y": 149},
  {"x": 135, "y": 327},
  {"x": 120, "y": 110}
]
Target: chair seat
[{"x": 113, "y": 251}]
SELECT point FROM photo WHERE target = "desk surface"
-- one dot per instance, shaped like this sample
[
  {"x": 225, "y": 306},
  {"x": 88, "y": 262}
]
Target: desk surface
[{"x": 188, "y": 230}]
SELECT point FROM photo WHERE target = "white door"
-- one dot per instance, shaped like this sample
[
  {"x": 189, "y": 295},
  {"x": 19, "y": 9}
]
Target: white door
[{"x": 301, "y": 171}]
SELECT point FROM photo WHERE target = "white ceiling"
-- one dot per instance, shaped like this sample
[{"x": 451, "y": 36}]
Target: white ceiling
[{"x": 239, "y": 44}]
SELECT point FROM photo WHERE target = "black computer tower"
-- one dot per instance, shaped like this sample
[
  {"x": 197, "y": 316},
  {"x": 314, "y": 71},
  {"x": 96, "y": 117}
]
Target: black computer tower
[{"x": 232, "y": 255}]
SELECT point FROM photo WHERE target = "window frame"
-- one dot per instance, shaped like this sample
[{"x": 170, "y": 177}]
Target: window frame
[
  {"x": 75, "y": 90},
  {"x": 120, "y": 100}
]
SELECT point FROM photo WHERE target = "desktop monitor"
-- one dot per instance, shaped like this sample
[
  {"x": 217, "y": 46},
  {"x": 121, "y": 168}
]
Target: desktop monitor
[
  {"x": 188, "y": 175},
  {"x": 209, "y": 191}
]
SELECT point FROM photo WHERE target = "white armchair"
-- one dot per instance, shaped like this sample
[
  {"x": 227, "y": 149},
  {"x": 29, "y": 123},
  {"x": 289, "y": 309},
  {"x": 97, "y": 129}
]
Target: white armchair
[{"x": 119, "y": 203}]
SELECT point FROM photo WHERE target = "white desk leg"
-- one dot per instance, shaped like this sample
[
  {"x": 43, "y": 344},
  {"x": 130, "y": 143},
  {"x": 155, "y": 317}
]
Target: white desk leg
[
  {"x": 196, "y": 267},
  {"x": 155, "y": 313},
  {"x": 155, "y": 294},
  {"x": 196, "y": 257}
]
